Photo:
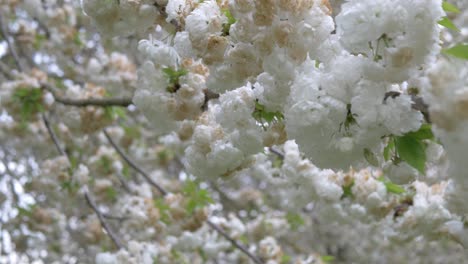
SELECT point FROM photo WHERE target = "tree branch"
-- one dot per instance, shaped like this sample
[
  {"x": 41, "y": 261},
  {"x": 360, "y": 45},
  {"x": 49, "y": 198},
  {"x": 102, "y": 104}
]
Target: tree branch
[
  {"x": 277, "y": 152},
  {"x": 133, "y": 165},
  {"x": 53, "y": 136},
  {"x": 4, "y": 33},
  {"x": 124, "y": 101},
  {"x": 164, "y": 192},
  {"x": 88, "y": 197},
  {"x": 92, "y": 204},
  {"x": 6, "y": 71},
  {"x": 234, "y": 242}
]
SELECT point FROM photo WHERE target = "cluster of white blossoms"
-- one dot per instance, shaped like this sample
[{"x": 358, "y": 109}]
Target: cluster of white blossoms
[
  {"x": 335, "y": 89},
  {"x": 264, "y": 131}
]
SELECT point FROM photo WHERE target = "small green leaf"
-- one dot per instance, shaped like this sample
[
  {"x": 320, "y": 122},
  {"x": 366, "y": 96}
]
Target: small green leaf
[
  {"x": 459, "y": 51},
  {"x": 389, "y": 148},
  {"x": 38, "y": 41},
  {"x": 412, "y": 150},
  {"x": 197, "y": 198},
  {"x": 285, "y": 259},
  {"x": 230, "y": 20},
  {"x": 424, "y": 132},
  {"x": 394, "y": 188},
  {"x": 163, "y": 210},
  {"x": 126, "y": 172},
  {"x": 449, "y": 7},
  {"x": 105, "y": 164},
  {"x": 111, "y": 193},
  {"x": 294, "y": 220},
  {"x": 277, "y": 162},
  {"x": 370, "y": 157},
  {"x": 391, "y": 187},
  {"x": 174, "y": 75},
  {"x": 263, "y": 116},
  {"x": 347, "y": 190},
  {"x": 70, "y": 186},
  {"x": 30, "y": 101},
  {"x": 445, "y": 22},
  {"x": 114, "y": 112},
  {"x": 327, "y": 258},
  {"x": 77, "y": 39}
]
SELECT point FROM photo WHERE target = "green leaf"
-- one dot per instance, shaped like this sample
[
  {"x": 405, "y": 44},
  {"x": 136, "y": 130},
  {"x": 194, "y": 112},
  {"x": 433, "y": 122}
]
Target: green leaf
[
  {"x": 105, "y": 164},
  {"x": 294, "y": 220},
  {"x": 347, "y": 190},
  {"x": 173, "y": 76},
  {"x": 389, "y": 148},
  {"x": 77, "y": 39},
  {"x": 424, "y": 132},
  {"x": 197, "y": 198},
  {"x": 27, "y": 211},
  {"x": 445, "y": 22},
  {"x": 30, "y": 101},
  {"x": 412, "y": 150},
  {"x": 69, "y": 186},
  {"x": 111, "y": 193},
  {"x": 449, "y": 7},
  {"x": 394, "y": 188},
  {"x": 114, "y": 112},
  {"x": 163, "y": 210},
  {"x": 285, "y": 259},
  {"x": 327, "y": 258},
  {"x": 391, "y": 187},
  {"x": 370, "y": 157},
  {"x": 263, "y": 116},
  {"x": 230, "y": 20},
  {"x": 38, "y": 41},
  {"x": 459, "y": 51}
]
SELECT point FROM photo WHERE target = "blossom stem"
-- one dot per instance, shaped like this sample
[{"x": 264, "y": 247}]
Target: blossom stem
[{"x": 105, "y": 225}]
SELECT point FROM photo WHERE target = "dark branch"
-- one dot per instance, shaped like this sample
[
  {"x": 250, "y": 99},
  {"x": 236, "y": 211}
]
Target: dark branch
[
  {"x": 114, "y": 217},
  {"x": 4, "y": 33},
  {"x": 6, "y": 71},
  {"x": 103, "y": 222},
  {"x": 234, "y": 242},
  {"x": 133, "y": 165},
  {"x": 164, "y": 192},
  {"x": 277, "y": 152},
  {"x": 53, "y": 136},
  {"x": 124, "y": 101},
  {"x": 88, "y": 197}
]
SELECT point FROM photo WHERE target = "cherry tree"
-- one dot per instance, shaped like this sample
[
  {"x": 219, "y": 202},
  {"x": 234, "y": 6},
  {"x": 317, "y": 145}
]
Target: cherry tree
[{"x": 234, "y": 131}]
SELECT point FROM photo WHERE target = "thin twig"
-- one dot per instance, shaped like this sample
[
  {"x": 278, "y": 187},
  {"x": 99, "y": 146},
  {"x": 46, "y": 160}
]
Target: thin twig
[
  {"x": 4, "y": 34},
  {"x": 53, "y": 136},
  {"x": 124, "y": 183},
  {"x": 277, "y": 152},
  {"x": 234, "y": 242},
  {"x": 124, "y": 101},
  {"x": 88, "y": 197},
  {"x": 164, "y": 192},
  {"x": 92, "y": 204},
  {"x": 133, "y": 165},
  {"x": 6, "y": 71},
  {"x": 114, "y": 217}
]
